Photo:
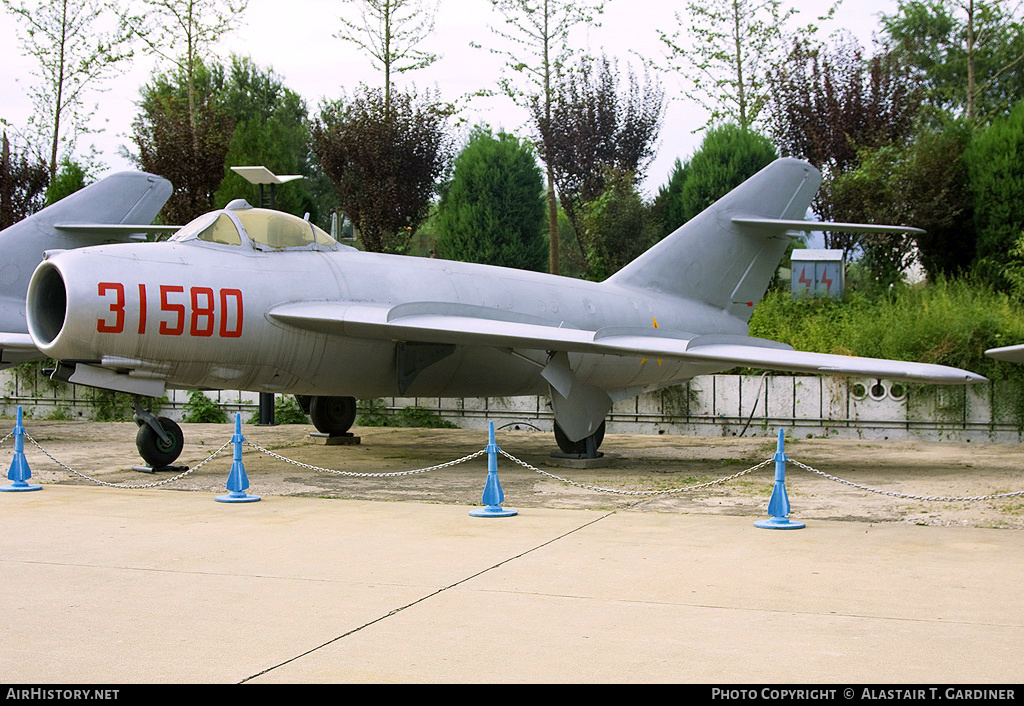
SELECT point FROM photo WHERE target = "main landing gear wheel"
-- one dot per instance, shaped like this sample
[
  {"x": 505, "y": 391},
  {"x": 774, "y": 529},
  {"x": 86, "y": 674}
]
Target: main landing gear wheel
[
  {"x": 584, "y": 448},
  {"x": 159, "y": 452},
  {"x": 333, "y": 415}
]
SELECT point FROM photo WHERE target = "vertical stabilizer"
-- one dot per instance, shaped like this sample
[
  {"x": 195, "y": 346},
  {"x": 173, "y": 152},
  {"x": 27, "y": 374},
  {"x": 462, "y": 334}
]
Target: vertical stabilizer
[
  {"x": 122, "y": 198},
  {"x": 724, "y": 264}
]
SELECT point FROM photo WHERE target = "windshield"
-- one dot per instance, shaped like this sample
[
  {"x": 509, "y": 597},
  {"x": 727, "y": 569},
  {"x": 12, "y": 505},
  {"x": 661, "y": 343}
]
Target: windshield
[
  {"x": 273, "y": 229},
  {"x": 193, "y": 228},
  {"x": 267, "y": 229}
]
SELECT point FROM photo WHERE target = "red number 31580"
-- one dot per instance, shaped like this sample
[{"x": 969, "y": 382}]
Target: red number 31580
[{"x": 202, "y": 311}]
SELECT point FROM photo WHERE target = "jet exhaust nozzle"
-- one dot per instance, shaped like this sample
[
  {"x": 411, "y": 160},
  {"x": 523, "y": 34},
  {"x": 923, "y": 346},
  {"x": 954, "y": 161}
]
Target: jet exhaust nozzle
[{"x": 47, "y": 305}]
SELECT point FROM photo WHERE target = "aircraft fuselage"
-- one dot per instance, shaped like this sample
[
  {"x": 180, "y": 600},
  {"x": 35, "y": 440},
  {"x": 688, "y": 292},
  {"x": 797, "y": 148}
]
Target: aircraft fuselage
[{"x": 199, "y": 315}]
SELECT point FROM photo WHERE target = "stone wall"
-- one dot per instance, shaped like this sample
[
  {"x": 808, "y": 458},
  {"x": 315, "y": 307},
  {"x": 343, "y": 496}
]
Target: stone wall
[{"x": 714, "y": 405}]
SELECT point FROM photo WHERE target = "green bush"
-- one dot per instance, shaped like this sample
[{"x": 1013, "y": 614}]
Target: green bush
[
  {"x": 950, "y": 322},
  {"x": 616, "y": 227},
  {"x": 110, "y": 406},
  {"x": 200, "y": 408},
  {"x": 372, "y": 413}
]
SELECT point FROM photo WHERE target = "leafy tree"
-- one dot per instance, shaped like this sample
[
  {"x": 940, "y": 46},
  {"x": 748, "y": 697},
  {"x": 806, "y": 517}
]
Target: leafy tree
[
  {"x": 68, "y": 180},
  {"x": 23, "y": 182},
  {"x": 73, "y": 55},
  {"x": 728, "y": 156},
  {"x": 924, "y": 184},
  {"x": 592, "y": 128},
  {"x": 997, "y": 180},
  {"x": 385, "y": 162},
  {"x": 271, "y": 129},
  {"x": 183, "y": 32},
  {"x": 726, "y": 50},
  {"x": 616, "y": 227},
  {"x": 828, "y": 103},
  {"x": 390, "y": 32},
  {"x": 969, "y": 53},
  {"x": 493, "y": 210},
  {"x": 539, "y": 31},
  {"x": 186, "y": 145}
]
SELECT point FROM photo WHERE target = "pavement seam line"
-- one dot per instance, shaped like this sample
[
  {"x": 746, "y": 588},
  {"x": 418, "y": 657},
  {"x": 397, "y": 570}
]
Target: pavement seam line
[{"x": 424, "y": 598}]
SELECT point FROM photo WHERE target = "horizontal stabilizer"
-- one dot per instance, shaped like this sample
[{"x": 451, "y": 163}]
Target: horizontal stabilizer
[
  {"x": 126, "y": 231},
  {"x": 428, "y": 322},
  {"x": 811, "y": 226}
]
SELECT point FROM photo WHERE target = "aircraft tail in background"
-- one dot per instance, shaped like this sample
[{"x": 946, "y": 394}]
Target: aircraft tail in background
[{"x": 727, "y": 255}]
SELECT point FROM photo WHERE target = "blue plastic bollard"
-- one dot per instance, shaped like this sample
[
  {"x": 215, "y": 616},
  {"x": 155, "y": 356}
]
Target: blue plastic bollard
[
  {"x": 493, "y": 495},
  {"x": 238, "y": 481},
  {"x": 19, "y": 472},
  {"x": 778, "y": 505}
]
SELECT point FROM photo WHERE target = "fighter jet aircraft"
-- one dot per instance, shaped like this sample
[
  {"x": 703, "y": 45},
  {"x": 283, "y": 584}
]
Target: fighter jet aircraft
[
  {"x": 117, "y": 208},
  {"x": 253, "y": 299}
]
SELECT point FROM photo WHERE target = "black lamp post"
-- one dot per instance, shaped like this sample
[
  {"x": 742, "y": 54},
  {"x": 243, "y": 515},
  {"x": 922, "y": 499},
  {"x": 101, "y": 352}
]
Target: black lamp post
[{"x": 263, "y": 176}]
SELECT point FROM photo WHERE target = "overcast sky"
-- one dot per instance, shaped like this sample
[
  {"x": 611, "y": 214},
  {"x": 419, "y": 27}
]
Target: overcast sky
[{"x": 296, "y": 39}]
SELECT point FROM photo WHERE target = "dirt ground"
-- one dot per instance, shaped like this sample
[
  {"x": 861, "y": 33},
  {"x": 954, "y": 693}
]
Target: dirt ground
[{"x": 105, "y": 452}]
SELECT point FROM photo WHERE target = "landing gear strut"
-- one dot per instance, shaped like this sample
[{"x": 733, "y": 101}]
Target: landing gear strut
[
  {"x": 584, "y": 448},
  {"x": 159, "y": 439}
]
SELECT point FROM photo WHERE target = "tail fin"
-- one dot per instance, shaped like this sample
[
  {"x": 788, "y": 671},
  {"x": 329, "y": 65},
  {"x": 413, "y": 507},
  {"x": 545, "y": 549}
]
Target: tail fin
[
  {"x": 125, "y": 198},
  {"x": 727, "y": 254}
]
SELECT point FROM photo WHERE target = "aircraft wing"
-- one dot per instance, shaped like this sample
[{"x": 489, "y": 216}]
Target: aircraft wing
[
  {"x": 479, "y": 326},
  {"x": 16, "y": 348},
  {"x": 1012, "y": 354}
]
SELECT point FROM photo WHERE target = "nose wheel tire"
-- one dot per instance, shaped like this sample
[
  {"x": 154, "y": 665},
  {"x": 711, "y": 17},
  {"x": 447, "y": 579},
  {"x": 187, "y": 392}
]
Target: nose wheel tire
[{"x": 154, "y": 450}]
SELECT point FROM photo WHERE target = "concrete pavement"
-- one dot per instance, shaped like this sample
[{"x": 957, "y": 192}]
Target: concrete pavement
[{"x": 112, "y": 586}]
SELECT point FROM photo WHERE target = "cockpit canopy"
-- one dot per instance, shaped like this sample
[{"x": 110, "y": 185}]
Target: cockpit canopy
[{"x": 263, "y": 229}]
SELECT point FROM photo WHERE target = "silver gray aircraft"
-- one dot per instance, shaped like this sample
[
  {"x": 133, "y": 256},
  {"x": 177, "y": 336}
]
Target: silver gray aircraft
[
  {"x": 253, "y": 299},
  {"x": 114, "y": 209}
]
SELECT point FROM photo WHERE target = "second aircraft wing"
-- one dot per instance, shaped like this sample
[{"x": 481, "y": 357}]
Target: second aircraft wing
[{"x": 469, "y": 325}]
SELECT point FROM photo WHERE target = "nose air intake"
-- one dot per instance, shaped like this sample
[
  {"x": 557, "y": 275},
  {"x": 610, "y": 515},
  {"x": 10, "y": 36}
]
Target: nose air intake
[{"x": 47, "y": 304}]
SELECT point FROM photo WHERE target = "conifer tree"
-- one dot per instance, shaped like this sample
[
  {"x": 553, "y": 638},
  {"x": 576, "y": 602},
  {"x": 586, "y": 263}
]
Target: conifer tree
[
  {"x": 727, "y": 157},
  {"x": 997, "y": 181},
  {"x": 493, "y": 209}
]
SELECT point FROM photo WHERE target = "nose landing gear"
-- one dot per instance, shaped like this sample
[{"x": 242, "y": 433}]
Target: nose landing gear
[{"x": 159, "y": 440}]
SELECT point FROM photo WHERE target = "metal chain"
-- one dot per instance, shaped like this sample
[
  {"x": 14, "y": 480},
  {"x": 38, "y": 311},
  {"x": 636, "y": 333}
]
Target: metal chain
[
  {"x": 365, "y": 475},
  {"x": 599, "y": 489},
  {"x": 904, "y": 495},
  {"x": 128, "y": 486},
  {"x": 522, "y": 463}
]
